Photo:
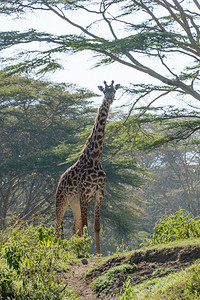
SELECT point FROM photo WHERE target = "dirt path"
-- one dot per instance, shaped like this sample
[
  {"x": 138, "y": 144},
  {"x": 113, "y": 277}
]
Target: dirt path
[
  {"x": 81, "y": 286},
  {"x": 148, "y": 265},
  {"x": 78, "y": 284}
]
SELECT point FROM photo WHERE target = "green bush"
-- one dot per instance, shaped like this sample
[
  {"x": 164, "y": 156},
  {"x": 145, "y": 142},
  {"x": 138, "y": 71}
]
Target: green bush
[
  {"x": 80, "y": 245},
  {"x": 177, "y": 226},
  {"x": 6, "y": 284},
  {"x": 30, "y": 259}
]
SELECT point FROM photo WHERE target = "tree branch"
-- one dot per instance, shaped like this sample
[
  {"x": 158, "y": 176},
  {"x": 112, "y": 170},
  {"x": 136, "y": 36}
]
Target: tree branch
[
  {"x": 107, "y": 21},
  {"x": 197, "y": 4},
  {"x": 62, "y": 16}
]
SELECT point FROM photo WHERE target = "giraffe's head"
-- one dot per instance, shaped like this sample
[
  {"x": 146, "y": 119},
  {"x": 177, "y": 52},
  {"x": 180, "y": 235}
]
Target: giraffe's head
[{"x": 109, "y": 90}]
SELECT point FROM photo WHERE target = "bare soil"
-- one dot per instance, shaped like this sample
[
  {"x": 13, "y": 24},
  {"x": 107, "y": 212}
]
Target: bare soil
[{"x": 146, "y": 267}]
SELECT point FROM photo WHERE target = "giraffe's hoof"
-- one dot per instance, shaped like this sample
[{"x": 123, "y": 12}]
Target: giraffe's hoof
[{"x": 84, "y": 261}]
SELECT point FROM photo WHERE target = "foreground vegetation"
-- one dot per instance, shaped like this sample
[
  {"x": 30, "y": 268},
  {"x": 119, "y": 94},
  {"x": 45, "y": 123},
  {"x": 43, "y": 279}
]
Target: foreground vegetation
[{"x": 35, "y": 265}]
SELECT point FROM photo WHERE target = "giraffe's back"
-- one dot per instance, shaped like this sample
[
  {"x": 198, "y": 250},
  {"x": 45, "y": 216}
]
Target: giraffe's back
[{"x": 81, "y": 179}]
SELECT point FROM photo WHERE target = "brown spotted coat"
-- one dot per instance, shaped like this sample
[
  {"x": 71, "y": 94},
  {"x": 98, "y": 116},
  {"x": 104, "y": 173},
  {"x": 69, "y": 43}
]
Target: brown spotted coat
[{"x": 85, "y": 179}]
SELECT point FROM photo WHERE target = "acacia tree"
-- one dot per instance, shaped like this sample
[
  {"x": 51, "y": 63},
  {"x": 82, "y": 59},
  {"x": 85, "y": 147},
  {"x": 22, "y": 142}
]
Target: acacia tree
[{"x": 139, "y": 32}]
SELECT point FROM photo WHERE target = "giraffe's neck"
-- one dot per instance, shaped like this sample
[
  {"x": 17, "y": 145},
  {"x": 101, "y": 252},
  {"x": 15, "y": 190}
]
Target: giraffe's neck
[{"x": 93, "y": 147}]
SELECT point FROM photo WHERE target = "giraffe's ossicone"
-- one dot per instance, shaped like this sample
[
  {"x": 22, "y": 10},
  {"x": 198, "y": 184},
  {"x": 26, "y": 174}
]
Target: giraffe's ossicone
[{"x": 85, "y": 180}]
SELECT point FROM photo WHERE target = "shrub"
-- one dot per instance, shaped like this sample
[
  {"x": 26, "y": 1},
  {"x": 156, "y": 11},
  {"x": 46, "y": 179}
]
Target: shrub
[
  {"x": 180, "y": 225},
  {"x": 32, "y": 256},
  {"x": 80, "y": 245},
  {"x": 6, "y": 284}
]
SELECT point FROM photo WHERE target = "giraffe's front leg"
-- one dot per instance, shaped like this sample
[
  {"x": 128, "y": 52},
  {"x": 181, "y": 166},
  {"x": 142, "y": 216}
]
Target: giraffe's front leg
[{"x": 98, "y": 203}]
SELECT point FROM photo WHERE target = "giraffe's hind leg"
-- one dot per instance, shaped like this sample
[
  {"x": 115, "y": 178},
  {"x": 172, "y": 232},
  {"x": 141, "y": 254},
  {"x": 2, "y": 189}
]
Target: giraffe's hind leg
[
  {"x": 61, "y": 206},
  {"x": 76, "y": 209},
  {"x": 98, "y": 203}
]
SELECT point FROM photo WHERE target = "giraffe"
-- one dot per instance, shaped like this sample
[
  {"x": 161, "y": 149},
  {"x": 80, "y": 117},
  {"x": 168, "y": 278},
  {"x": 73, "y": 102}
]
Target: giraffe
[{"x": 85, "y": 179}]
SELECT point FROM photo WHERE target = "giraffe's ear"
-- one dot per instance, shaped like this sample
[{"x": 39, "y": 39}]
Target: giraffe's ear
[
  {"x": 101, "y": 88},
  {"x": 117, "y": 86}
]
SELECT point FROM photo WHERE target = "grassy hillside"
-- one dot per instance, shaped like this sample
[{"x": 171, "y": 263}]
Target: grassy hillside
[
  {"x": 34, "y": 265},
  {"x": 168, "y": 271}
]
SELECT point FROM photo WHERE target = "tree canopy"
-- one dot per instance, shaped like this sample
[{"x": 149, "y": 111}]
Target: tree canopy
[
  {"x": 159, "y": 38},
  {"x": 38, "y": 122},
  {"x": 38, "y": 130}
]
